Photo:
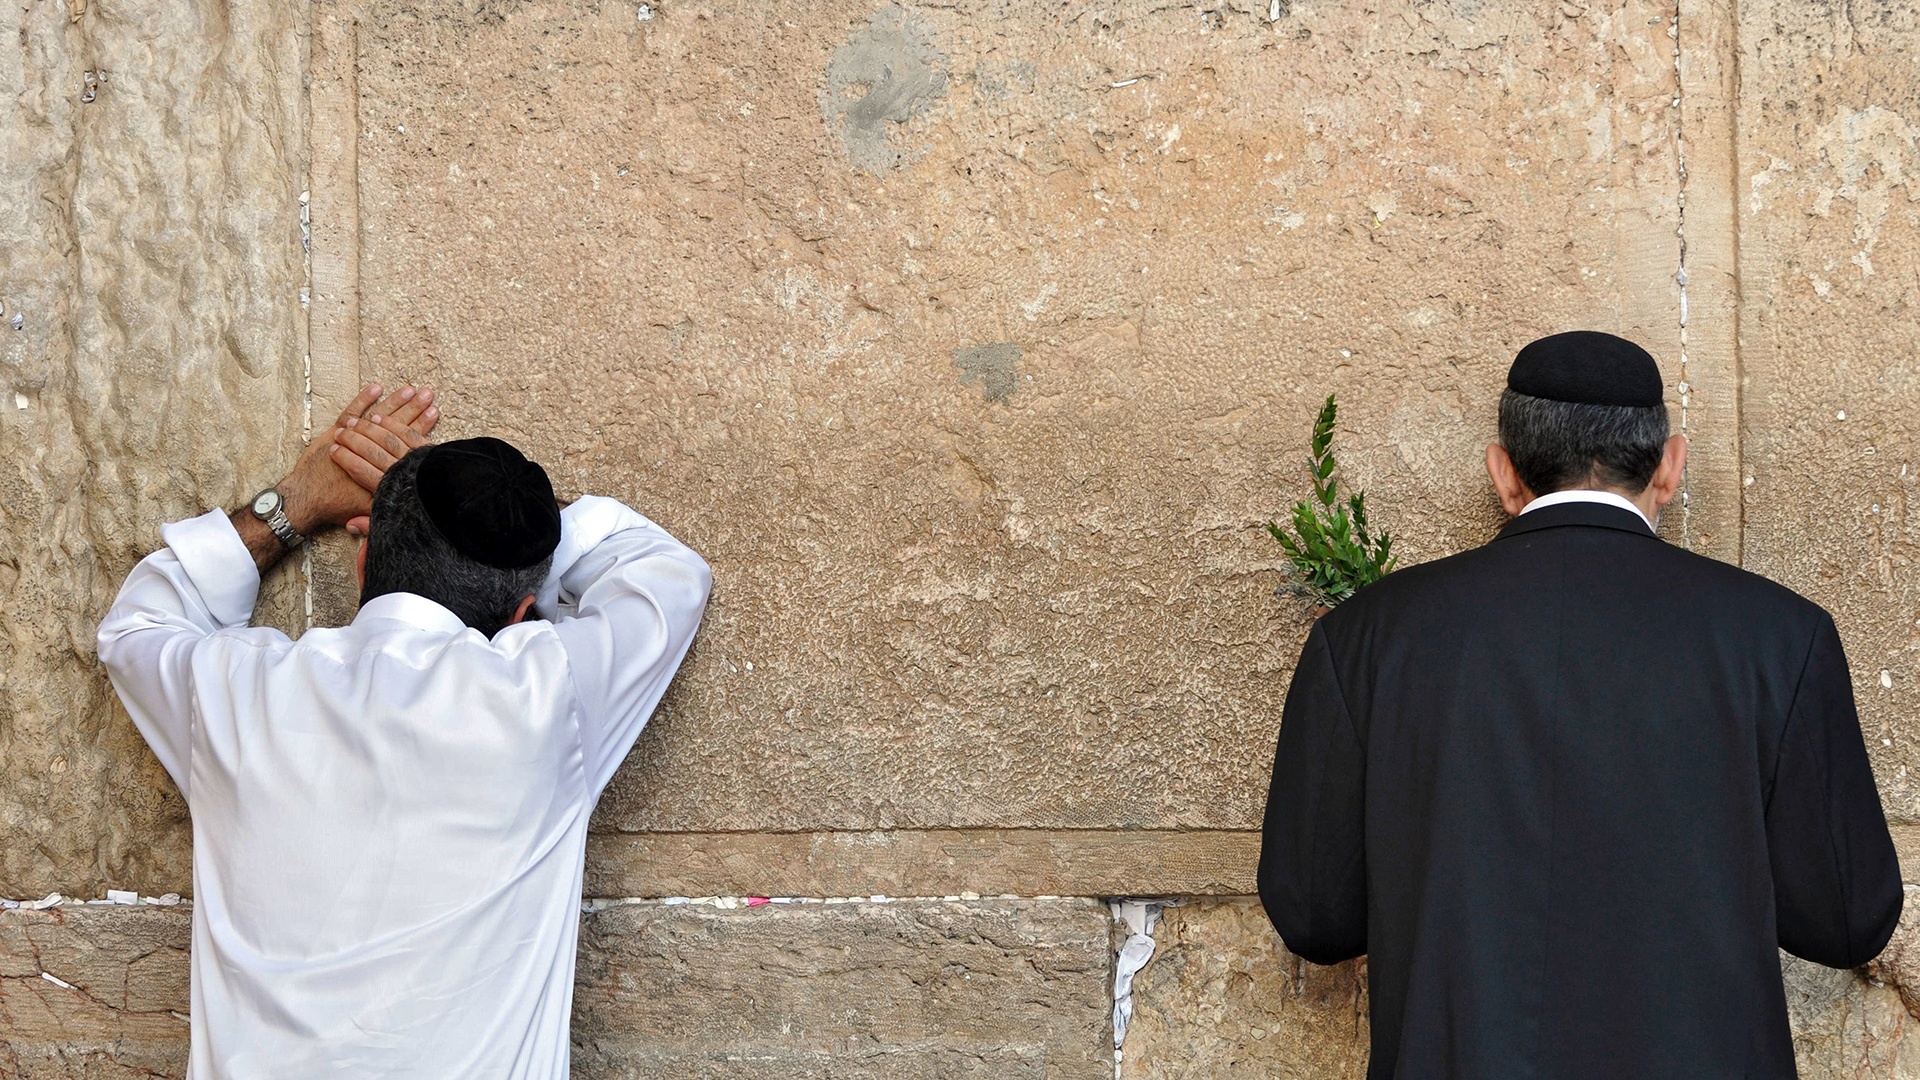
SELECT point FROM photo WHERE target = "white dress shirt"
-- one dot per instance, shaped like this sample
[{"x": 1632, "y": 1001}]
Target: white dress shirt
[
  {"x": 1605, "y": 498},
  {"x": 390, "y": 818}
]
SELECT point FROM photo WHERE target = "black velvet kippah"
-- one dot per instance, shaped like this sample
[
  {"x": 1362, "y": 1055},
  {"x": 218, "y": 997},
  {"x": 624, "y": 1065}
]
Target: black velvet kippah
[
  {"x": 1587, "y": 368},
  {"x": 491, "y": 503}
]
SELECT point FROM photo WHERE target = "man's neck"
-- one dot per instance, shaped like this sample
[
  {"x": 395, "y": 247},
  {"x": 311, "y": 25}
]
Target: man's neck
[{"x": 1642, "y": 504}]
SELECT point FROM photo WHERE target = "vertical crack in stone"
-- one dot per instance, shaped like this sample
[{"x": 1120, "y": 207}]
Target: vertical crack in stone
[{"x": 1685, "y": 387}]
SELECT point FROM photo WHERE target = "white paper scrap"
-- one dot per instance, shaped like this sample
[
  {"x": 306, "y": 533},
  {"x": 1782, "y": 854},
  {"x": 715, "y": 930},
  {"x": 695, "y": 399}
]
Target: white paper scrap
[
  {"x": 1140, "y": 919},
  {"x": 46, "y": 902},
  {"x": 123, "y": 896},
  {"x": 57, "y": 982}
]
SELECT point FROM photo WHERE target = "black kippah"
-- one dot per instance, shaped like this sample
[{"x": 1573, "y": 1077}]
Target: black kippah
[
  {"x": 491, "y": 503},
  {"x": 1587, "y": 368}
]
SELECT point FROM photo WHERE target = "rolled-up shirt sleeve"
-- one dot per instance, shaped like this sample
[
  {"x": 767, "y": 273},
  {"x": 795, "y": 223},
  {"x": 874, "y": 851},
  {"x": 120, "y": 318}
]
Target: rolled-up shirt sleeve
[
  {"x": 203, "y": 581},
  {"x": 625, "y": 599}
]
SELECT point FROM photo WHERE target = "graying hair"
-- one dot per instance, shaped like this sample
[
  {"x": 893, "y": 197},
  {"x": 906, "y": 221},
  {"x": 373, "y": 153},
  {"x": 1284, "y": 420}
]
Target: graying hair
[
  {"x": 406, "y": 553},
  {"x": 1558, "y": 444}
]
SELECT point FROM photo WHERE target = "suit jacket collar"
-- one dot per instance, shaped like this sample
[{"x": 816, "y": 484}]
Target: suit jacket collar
[{"x": 1592, "y": 515}]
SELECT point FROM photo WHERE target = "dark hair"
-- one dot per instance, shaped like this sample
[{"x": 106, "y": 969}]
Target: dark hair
[
  {"x": 406, "y": 553},
  {"x": 1558, "y": 444}
]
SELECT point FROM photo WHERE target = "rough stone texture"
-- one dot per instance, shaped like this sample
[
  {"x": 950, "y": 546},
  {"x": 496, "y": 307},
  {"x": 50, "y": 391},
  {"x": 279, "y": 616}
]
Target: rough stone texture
[
  {"x": 900, "y": 990},
  {"x": 1846, "y": 1026},
  {"x": 150, "y": 366},
  {"x": 1223, "y": 998},
  {"x": 1000, "y": 989},
  {"x": 123, "y": 1012},
  {"x": 979, "y": 445},
  {"x": 905, "y": 862},
  {"x": 1829, "y": 175}
]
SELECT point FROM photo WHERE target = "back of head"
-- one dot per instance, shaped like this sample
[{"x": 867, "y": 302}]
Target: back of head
[
  {"x": 470, "y": 525},
  {"x": 1584, "y": 409}
]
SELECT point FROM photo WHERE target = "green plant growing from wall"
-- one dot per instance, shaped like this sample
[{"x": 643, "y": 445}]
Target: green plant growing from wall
[{"x": 1331, "y": 551}]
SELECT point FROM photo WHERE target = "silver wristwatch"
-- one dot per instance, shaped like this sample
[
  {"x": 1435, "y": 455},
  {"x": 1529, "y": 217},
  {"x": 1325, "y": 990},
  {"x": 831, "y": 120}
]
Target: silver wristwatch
[{"x": 271, "y": 507}]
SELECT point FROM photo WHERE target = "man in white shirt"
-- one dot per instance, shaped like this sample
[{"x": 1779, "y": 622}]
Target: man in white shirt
[{"x": 390, "y": 817}]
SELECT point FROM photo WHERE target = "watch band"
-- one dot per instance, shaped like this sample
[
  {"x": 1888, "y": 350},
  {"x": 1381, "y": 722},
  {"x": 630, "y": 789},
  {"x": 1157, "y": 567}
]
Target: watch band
[
  {"x": 283, "y": 529},
  {"x": 274, "y": 516}
]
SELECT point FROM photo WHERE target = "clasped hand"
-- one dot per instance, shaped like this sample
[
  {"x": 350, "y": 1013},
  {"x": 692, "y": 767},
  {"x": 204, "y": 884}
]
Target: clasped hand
[{"x": 332, "y": 484}]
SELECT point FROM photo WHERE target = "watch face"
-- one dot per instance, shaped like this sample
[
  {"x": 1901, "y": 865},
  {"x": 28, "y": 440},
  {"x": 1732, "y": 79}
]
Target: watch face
[{"x": 266, "y": 503}]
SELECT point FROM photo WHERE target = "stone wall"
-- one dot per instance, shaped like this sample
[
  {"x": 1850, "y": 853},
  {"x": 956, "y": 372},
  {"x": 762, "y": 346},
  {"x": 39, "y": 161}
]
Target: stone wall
[{"x": 972, "y": 343}]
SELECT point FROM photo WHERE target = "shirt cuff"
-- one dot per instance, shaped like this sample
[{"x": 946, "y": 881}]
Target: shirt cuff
[
  {"x": 584, "y": 525},
  {"x": 218, "y": 563}
]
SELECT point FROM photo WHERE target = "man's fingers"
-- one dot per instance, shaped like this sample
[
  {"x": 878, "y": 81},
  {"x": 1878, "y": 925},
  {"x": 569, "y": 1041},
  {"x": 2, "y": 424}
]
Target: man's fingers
[
  {"x": 358, "y": 406},
  {"x": 427, "y": 421},
  {"x": 394, "y": 401},
  {"x": 357, "y": 468},
  {"x": 409, "y": 436},
  {"x": 385, "y": 432},
  {"x": 373, "y": 451},
  {"x": 409, "y": 410},
  {"x": 357, "y": 526}
]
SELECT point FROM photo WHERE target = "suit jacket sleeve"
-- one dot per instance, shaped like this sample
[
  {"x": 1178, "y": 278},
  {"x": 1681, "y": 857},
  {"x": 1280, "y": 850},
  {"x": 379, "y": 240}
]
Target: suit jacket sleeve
[
  {"x": 1313, "y": 857},
  {"x": 1836, "y": 880}
]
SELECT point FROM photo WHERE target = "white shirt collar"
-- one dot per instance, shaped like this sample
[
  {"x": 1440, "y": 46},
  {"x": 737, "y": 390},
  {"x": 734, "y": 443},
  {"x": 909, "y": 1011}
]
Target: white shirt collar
[
  {"x": 414, "y": 610},
  {"x": 1585, "y": 495}
]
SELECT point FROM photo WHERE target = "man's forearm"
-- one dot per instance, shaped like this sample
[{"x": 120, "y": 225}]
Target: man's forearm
[{"x": 266, "y": 548}]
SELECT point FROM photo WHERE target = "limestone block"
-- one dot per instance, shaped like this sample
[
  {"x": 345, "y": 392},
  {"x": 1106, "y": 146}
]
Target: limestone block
[
  {"x": 942, "y": 862},
  {"x": 1829, "y": 194},
  {"x": 972, "y": 343},
  {"x": 1009, "y": 988},
  {"x": 1223, "y": 998},
  {"x": 1846, "y": 1025},
  {"x": 123, "y": 1009},
  {"x": 150, "y": 367}
]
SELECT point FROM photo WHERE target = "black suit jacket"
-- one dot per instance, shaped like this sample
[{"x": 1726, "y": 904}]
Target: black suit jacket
[{"x": 1567, "y": 792}]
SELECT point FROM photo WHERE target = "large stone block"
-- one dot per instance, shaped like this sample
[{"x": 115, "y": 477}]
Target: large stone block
[
  {"x": 1829, "y": 195},
  {"x": 119, "y": 1005},
  {"x": 911, "y": 989},
  {"x": 1223, "y": 998},
  {"x": 991, "y": 989},
  {"x": 151, "y": 162},
  {"x": 972, "y": 343}
]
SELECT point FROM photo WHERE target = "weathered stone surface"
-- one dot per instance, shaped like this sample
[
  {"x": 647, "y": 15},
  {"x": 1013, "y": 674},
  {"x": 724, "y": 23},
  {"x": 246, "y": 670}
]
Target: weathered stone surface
[
  {"x": 1847, "y": 1026},
  {"x": 1009, "y": 988},
  {"x": 898, "y": 990},
  {"x": 123, "y": 1011},
  {"x": 979, "y": 445},
  {"x": 1829, "y": 175},
  {"x": 942, "y": 862},
  {"x": 1223, "y": 998},
  {"x": 150, "y": 366}
]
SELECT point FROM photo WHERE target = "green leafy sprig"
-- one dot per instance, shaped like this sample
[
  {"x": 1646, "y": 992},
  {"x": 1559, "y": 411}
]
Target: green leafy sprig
[{"x": 1329, "y": 548}]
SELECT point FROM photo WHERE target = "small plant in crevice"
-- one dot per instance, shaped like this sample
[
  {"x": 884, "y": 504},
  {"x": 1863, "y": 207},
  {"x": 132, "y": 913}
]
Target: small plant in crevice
[{"x": 1330, "y": 551}]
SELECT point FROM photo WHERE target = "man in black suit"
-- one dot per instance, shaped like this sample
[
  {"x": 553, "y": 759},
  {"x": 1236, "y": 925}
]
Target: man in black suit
[{"x": 1568, "y": 791}]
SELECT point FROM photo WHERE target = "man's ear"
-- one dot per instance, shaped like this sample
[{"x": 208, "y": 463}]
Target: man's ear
[
  {"x": 360, "y": 562},
  {"x": 520, "y": 613},
  {"x": 1513, "y": 493},
  {"x": 1671, "y": 472}
]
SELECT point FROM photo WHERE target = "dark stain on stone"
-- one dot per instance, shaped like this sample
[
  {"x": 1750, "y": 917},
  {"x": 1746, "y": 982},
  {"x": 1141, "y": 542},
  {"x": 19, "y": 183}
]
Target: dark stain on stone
[
  {"x": 993, "y": 368},
  {"x": 887, "y": 73}
]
